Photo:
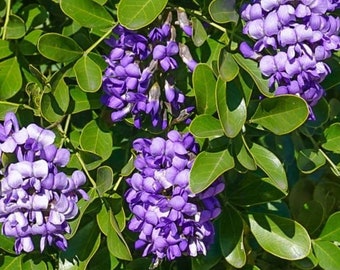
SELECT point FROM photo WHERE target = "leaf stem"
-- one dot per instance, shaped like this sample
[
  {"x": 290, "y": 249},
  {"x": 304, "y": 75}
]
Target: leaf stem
[
  {"x": 99, "y": 41},
  {"x": 8, "y": 10},
  {"x": 85, "y": 170}
]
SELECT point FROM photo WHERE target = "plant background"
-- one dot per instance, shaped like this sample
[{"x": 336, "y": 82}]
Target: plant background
[{"x": 281, "y": 205}]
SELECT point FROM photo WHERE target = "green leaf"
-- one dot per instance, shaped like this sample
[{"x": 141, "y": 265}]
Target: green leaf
[
  {"x": 34, "y": 15},
  {"x": 310, "y": 216},
  {"x": 251, "y": 67},
  {"x": 94, "y": 139},
  {"x": 332, "y": 135},
  {"x": 223, "y": 11},
  {"x": 36, "y": 261},
  {"x": 309, "y": 160},
  {"x": 11, "y": 263},
  {"x": 199, "y": 34},
  {"x": 82, "y": 246},
  {"x": 59, "y": 48},
  {"x": 242, "y": 153},
  {"x": 228, "y": 68},
  {"x": 82, "y": 101},
  {"x": 321, "y": 113},
  {"x": 208, "y": 167},
  {"x": 103, "y": 259},
  {"x": 253, "y": 190},
  {"x": 204, "y": 84},
  {"x": 281, "y": 114},
  {"x": 310, "y": 262},
  {"x": 50, "y": 109},
  {"x": 5, "y": 49},
  {"x": 88, "y": 74},
  {"x": 10, "y": 78},
  {"x": 82, "y": 206},
  {"x": 128, "y": 167},
  {"x": 7, "y": 244},
  {"x": 28, "y": 45},
  {"x": 87, "y": 13},
  {"x": 231, "y": 240},
  {"x": 104, "y": 179},
  {"x": 15, "y": 28},
  {"x": 117, "y": 244},
  {"x": 60, "y": 91},
  {"x": 280, "y": 236},
  {"x": 135, "y": 14},
  {"x": 331, "y": 231},
  {"x": 206, "y": 126},
  {"x": 6, "y": 107},
  {"x": 231, "y": 107},
  {"x": 271, "y": 165},
  {"x": 328, "y": 254}
]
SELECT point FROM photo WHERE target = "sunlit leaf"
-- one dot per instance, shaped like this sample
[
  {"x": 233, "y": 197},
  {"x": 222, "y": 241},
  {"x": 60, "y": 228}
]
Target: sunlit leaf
[
  {"x": 5, "y": 49},
  {"x": 10, "y": 78},
  {"x": 206, "y": 126},
  {"x": 223, "y": 11},
  {"x": 15, "y": 28},
  {"x": 199, "y": 33},
  {"x": 228, "y": 68},
  {"x": 135, "y": 14},
  {"x": 328, "y": 254},
  {"x": 331, "y": 231},
  {"x": 88, "y": 74},
  {"x": 332, "y": 135}
]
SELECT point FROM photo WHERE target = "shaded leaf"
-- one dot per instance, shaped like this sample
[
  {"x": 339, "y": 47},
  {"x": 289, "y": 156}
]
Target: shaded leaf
[
  {"x": 6, "y": 107},
  {"x": 228, "y": 68},
  {"x": 231, "y": 107},
  {"x": 310, "y": 216},
  {"x": 309, "y": 160},
  {"x": 280, "y": 236},
  {"x": 281, "y": 114},
  {"x": 223, "y": 11},
  {"x": 82, "y": 101},
  {"x": 208, "y": 167},
  {"x": 242, "y": 153},
  {"x": 104, "y": 179},
  {"x": 135, "y": 14},
  {"x": 50, "y": 109},
  {"x": 199, "y": 34}
]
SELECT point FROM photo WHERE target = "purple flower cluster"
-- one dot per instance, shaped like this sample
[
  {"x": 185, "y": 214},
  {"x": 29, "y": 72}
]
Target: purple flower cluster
[
  {"x": 138, "y": 80},
  {"x": 293, "y": 38},
  {"x": 36, "y": 197},
  {"x": 170, "y": 219}
]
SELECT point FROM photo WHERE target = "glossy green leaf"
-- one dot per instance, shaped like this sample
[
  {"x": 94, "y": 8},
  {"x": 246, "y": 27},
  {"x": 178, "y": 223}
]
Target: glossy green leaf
[
  {"x": 253, "y": 190},
  {"x": 332, "y": 135},
  {"x": 81, "y": 101},
  {"x": 208, "y": 167},
  {"x": 280, "y": 236},
  {"x": 231, "y": 107},
  {"x": 231, "y": 240},
  {"x": 82, "y": 246},
  {"x": 328, "y": 254},
  {"x": 135, "y": 14},
  {"x": 204, "y": 86},
  {"x": 281, "y": 114},
  {"x": 199, "y": 34},
  {"x": 59, "y": 48},
  {"x": 7, "y": 107},
  {"x": 117, "y": 244},
  {"x": 10, "y": 78},
  {"x": 87, "y": 13},
  {"x": 331, "y": 231},
  {"x": 223, "y": 11},
  {"x": 206, "y": 126},
  {"x": 271, "y": 165},
  {"x": 104, "y": 179},
  {"x": 242, "y": 153},
  {"x": 15, "y": 28},
  {"x": 5, "y": 49},
  {"x": 96, "y": 140},
  {"x": 251, "y": 67},
  {"x": 309, "y": 160},
  {"x": 128, "y": 167},
  {"x": 88, "y": 74},
  {"x": 228, "y": 68}
]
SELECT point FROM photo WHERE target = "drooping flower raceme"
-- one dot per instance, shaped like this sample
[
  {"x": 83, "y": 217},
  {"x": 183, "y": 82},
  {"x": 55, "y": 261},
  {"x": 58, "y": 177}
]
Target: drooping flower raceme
[
  {"x": 37, "y": 198},
  {"x": 170, "y": 219},
  {"x": 293, "y": 39},
  {"x": 138, "y": 73}
]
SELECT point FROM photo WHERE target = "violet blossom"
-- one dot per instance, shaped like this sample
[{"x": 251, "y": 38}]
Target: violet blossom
[
  {"x": 293, "y": 38},
  {"x": 170, "y": 219},
  {"x": 37, "y": 199}
]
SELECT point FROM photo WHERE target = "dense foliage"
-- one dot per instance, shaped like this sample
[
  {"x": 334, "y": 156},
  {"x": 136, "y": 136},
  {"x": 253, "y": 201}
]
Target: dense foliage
[{"x": 163, "y": 134}]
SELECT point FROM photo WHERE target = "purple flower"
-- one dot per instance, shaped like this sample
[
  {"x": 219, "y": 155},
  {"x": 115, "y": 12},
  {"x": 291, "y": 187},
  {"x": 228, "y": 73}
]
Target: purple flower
[
  {"x": 36, "y": 199},
  {"x": 170, "y": 219},
  {"x": 301, "y": 34}
]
